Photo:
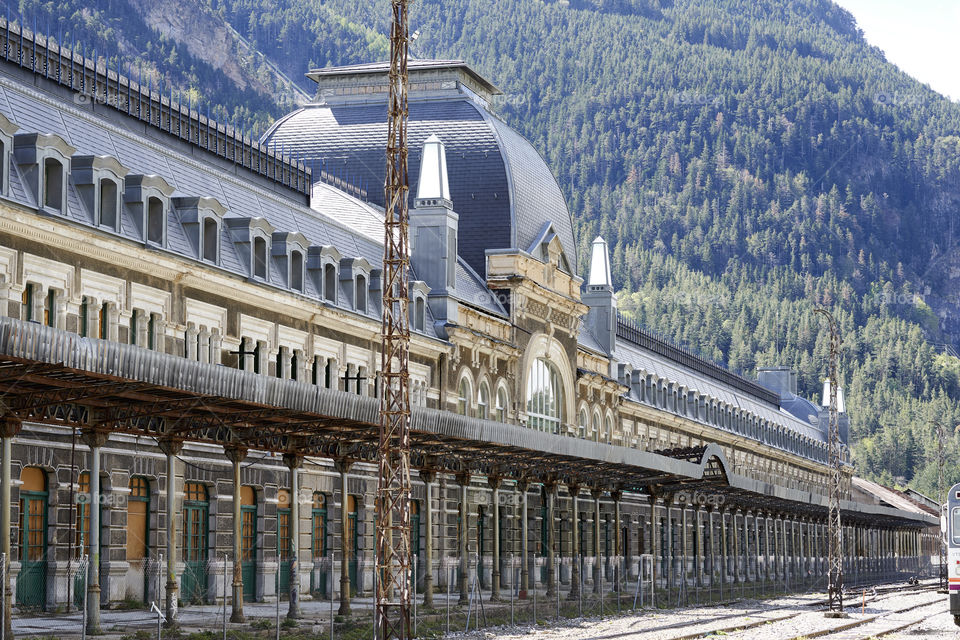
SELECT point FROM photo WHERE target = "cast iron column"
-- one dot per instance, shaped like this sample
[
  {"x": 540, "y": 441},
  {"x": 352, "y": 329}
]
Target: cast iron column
[
  {"x": 293, "y": 462},
  {"x": 343, "y": 466},
  {"x": 11, "y": 427},
  {"x": 428, "y": 478},
  {"x": 523, "y": 484},
  {"x": 171, "y": 448},
  {"x": 494, "y": 482},
  {"x": 574, "y": 543},
  {"x": 236, "y": 456},
  {"x": 463, "y": 479}
]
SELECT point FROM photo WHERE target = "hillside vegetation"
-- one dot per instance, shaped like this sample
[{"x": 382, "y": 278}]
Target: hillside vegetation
[{"x": 747, "y": 161}]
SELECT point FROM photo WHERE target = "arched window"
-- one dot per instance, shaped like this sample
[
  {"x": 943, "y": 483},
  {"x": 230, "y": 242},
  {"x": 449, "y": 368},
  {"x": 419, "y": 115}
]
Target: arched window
[
  {"x": 155, "y": 220},
  {"x": 463, "y": 404},
  {"x": 483, "y": 401},
  {"x": 502, "y": 404},
  {"x": 419, "y": 315},
  {"x": 260, "y": 258},
  {"x": 330, "y": 282},
  {"x": 595, "y": 432},
  {"x": 360, "y": 296},
  {"x": 608, "y": 430},
  {"x": 296, "y": 270},
  {"x": 109, "y": 203},
  {"x": 53, "y": 184},
  {"x": 211, "y": 240},
  {"x": 582, "y": 423},
  {"x": 544, "y": 396}
]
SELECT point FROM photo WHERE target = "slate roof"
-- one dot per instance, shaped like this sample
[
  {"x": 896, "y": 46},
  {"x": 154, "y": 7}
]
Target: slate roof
[
  {"x": 501, "y": 188},
  {"x": 663, "y": 368},
  {"x": 335, "y": 218}
]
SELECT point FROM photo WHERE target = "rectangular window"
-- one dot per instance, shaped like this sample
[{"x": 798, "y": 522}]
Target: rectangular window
[
  {"x": 152, "y": 332},
  {"x": 84, "y": 317},
  {"x": 133, "y": 327},
  {"x": 105, "y": 321},
  {"x": 50, "y": 309},
  {"x": 28, "y": 292}
]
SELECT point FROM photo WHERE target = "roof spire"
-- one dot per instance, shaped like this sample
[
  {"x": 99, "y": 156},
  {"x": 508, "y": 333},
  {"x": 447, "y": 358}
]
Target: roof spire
[
  {"x": 433, "y": 184},
  {"x": 600, "y": 265}
]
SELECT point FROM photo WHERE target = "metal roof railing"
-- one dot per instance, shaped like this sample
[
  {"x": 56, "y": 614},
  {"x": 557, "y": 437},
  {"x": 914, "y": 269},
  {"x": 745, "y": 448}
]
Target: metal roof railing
[{"x": 98, "y": 84}]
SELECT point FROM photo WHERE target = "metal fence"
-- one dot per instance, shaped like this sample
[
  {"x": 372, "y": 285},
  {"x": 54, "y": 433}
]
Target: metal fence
[{"x": 573, "y": 587}]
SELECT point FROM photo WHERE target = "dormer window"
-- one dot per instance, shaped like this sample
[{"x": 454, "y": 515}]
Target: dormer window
[
  {"x": 260, "y": 258},
  {"x": 109, "y": 204},
  {"x": 288, "y": 252},
  {"x": 7, "y": 131},
  {"x": 418, "y": 305},
  {"x": 323, "y": 268},
  {"x": 147, "y": 199},
  {"x": 53, "y": 183},
  {"x": 44, "y": 159},
  {"x": 252, "y": 239},
  {"x": 201, "y": 218},
  {"x": 355, "y": 274},
  {"x": 98, "y": 179}
]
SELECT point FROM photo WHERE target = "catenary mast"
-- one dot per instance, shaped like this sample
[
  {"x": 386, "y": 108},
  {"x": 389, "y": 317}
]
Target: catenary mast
[{"x": 393, "y": 593}]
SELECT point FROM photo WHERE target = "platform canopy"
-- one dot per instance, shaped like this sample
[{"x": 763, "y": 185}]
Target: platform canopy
[{"x": 51, "y": 376}]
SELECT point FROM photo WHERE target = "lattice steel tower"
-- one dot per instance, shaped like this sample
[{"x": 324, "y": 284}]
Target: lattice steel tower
[
  {"x": 835, "y": 551},
  {"x": 392, "y": 606}
]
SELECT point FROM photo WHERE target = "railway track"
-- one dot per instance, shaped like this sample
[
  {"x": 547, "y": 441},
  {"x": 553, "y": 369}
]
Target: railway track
[
  {"x": 871, "y": 626},
  {"x": 854, "y": 598},
  {"x": 878, "y": 625}
]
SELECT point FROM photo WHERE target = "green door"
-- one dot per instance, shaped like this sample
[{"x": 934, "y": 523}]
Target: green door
[
  {"x": 284, "y": 543},
  {"x": 248, "y": 551},
  {"x": 481, "y": 535},
  {"x": 83, "y": 535},
  {"x": 544, "y": 542},
  {"x": 196, "y": 519},
  {"x": 318, "y": 542},
  {"x": 353, "y": 538},
  {"x": 32, "y": 581},
  {"x": 415, "y": 543}
]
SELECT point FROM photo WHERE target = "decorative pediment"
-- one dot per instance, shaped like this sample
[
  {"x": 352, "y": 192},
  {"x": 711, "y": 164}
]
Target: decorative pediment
[
  {"x": 30, "y": 148},
  {"x": 192, "y": 208},
  {"x": 89, "y": 169}
]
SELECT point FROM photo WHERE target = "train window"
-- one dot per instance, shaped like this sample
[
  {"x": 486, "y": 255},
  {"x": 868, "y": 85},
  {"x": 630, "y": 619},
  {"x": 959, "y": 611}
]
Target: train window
[{"x": 955, "y": 526}]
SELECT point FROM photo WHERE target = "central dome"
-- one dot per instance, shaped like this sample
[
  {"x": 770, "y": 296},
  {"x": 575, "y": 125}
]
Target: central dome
[{"x": 503, "y": 191}]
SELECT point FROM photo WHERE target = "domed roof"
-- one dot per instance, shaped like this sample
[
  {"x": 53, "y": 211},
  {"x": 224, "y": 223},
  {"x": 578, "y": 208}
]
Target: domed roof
[{"x": 501, "y": 187}]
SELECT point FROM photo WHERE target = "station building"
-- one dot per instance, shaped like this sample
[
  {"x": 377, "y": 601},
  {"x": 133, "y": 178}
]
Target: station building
[{"x": 190, "y": 340}]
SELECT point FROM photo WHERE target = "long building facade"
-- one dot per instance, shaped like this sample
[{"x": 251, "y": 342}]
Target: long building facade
[{"x": 189, "y": 353}]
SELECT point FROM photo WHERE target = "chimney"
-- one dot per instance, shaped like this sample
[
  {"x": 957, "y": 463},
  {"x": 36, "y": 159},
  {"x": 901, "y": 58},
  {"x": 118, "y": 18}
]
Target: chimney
[
  {"x": 598, "y": 295},
  {"x": 783, "y": 380},
  {"x": 433, "y": 232}
]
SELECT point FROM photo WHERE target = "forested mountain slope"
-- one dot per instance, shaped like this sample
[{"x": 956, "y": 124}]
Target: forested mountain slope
[{"x": 747, "y": 160}]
